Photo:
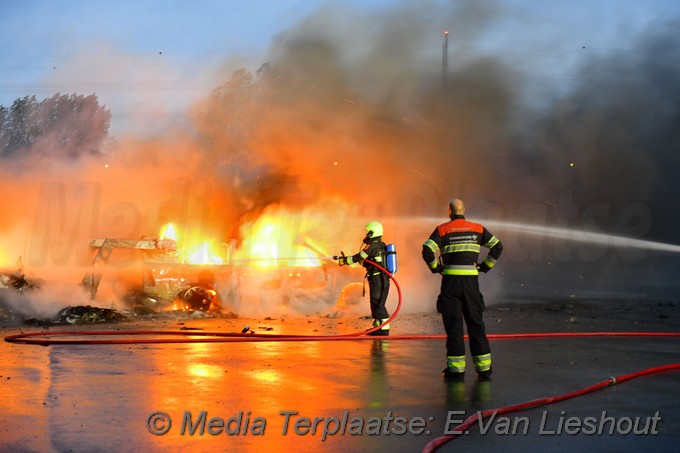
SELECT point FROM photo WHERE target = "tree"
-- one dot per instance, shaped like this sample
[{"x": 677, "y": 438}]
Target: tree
[{"x": 60, "y": 126}]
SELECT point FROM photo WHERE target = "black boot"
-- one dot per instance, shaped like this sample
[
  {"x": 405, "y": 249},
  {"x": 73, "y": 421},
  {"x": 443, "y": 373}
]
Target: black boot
[
  {"x": 452, "y": 376},
  {"x": 485, "y": 375},
  {"x": 380, "y": 333}
]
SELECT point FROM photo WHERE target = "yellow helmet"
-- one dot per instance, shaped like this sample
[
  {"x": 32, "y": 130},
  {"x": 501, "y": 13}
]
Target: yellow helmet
[{"x": 374, "y": 229}]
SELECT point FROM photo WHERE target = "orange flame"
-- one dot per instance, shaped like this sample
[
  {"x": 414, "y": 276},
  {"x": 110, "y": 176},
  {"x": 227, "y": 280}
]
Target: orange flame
[
  {"x": 194, "y": 249},
  {"x": 4, "y": 259},
  {"x": 203, "y": 254},
  {"x": 272, "y": 240},
  {"x": 168, "y": 232}
]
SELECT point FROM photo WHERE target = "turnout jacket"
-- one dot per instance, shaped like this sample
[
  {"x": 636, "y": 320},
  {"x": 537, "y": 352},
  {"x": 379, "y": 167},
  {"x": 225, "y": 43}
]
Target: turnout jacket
[
  {"x": 458, "y": 244},
  {"x": 373, "y": 251}
]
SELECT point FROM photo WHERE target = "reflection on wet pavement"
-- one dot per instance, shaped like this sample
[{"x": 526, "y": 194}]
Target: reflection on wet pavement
[{"x": 310, "y": 396}]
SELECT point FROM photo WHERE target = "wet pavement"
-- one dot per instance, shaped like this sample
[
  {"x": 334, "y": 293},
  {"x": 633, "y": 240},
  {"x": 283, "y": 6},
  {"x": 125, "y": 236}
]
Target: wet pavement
[{"x": 359, "y": 395}]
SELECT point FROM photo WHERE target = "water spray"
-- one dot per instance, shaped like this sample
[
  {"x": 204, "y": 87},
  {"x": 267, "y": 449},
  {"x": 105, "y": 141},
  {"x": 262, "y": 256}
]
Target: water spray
[
  {"x": 576, "y": 235},
  {"x": 569, "y": 234}
]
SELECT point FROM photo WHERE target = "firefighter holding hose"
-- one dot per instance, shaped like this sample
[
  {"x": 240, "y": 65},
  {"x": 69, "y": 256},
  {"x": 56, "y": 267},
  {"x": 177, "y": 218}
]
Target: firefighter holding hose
[
  {"x": 373, "y": 249},
  {"x": 458, "y": 244}
]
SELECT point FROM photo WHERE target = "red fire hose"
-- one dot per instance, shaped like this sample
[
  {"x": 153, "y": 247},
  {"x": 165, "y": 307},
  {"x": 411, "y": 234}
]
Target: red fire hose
[
  {"x": 43, "y": 339},
  {"x": 474, "y": 418}
]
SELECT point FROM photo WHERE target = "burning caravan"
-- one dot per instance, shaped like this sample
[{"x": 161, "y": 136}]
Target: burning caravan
[{"x": 211, "y": 278}]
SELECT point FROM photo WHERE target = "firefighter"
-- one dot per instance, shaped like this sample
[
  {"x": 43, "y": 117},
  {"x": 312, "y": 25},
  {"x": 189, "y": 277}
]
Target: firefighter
[
  {"x": 453, "y": 250},
  {"x": 373, "y": 249}
]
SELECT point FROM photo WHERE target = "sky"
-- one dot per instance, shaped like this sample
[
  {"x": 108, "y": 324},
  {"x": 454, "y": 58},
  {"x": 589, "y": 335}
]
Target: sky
[
  {"x": 149, "y": 60},
  {"x": 557, "y": 114},
  {"x": 146, "y": 60}
]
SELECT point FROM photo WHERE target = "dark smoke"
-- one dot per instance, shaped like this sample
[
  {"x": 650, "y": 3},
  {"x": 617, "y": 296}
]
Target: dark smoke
[
  {"x": 600, "y": 155},
  {"x": 351, "y": 115},
  {"x": 620, "y": 127},
  {"x": 353, "y": 104}
]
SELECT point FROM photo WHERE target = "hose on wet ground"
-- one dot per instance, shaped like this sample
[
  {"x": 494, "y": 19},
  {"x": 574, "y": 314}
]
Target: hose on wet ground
[
  {"x": 189, "y": 336},
  {"x": 477, "y": 417},
  {"x": 145, "y": 336}
]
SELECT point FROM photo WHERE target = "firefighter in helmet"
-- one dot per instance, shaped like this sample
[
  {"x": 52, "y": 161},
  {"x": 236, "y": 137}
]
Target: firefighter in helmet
[{"x": 373, "y": 249}]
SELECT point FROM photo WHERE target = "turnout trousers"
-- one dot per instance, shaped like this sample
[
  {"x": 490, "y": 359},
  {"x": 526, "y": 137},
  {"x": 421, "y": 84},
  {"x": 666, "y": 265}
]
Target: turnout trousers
[
  {"x": 461, "y": 301},
  {"x": 378, "y": 289}
]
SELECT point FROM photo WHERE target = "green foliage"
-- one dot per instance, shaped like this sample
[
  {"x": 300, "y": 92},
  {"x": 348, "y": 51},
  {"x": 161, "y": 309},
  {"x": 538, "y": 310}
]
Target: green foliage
[{"x": 61, "y": 126}]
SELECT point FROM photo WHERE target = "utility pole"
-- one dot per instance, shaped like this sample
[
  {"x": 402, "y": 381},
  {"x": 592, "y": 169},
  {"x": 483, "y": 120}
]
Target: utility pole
[{"x": 445, "y": 59}]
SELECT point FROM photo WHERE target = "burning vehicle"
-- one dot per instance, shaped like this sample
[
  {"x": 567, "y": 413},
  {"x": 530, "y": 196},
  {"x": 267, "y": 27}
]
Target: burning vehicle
[
  {"x": 269, "y": 271},
  {"x": 162, "y": 284}
]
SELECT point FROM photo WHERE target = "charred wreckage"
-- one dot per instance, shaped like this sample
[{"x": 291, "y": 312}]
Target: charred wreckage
[{"x": 168, "y": 283}]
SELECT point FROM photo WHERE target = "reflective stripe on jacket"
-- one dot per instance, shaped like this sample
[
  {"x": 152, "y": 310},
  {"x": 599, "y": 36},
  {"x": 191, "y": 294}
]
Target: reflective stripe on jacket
[
  {"x": 458, "y": 244},
  {"x": 373, "y": 251}
]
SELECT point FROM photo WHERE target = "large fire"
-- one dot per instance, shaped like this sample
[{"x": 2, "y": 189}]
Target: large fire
[
  {"x": 4, "y": 259},
  {"x": 168, "y": 232},
  {"x": 204, "y": 254},
  {"x": 194, "y": 248},
  {"x": 272, "y": 240},
  {"x": 187, "y": 269}
]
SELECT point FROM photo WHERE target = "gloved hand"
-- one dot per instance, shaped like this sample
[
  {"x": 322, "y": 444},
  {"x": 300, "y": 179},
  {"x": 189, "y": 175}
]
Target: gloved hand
[
  {"x": 438, "y": 269},
  {"x": 342, "y": 259},
  {"x": 483, "y": 267}
]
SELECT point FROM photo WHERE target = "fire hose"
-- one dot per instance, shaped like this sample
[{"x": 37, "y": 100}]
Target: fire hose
[
  {"x": 439, "y": 441},
  {"x": 43, "y": 339}
]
